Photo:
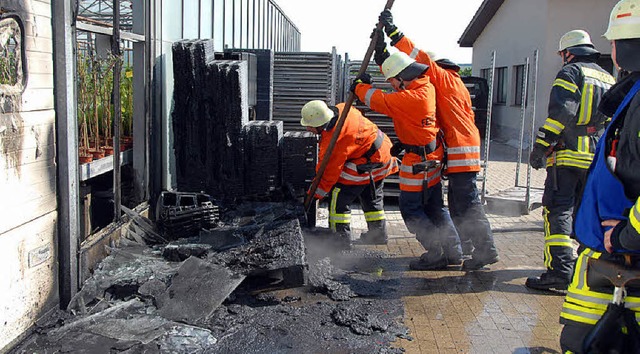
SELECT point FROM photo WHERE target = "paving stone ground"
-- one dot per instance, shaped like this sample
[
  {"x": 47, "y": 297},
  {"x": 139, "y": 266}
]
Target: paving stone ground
[{"x": 487, "y": 311}]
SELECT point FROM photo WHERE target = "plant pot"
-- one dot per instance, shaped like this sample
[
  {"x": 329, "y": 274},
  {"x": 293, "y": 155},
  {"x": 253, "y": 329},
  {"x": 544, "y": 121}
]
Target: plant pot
[
  {"x": 97, "y": 154},
  {"x": 85, "y": 158},
  {"x": 108, "y": 150},
  {"x": 126, "y": 141}
]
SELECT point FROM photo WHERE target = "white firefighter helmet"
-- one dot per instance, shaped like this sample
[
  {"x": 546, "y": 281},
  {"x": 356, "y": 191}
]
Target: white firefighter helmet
[
  {"x": 574, "y": 38},
  {"x": 624, "y": 22},
  {"x": 395, "y": 63},
  {"x": 315, "y": 113},
  {"x": 401, "y": 65}
]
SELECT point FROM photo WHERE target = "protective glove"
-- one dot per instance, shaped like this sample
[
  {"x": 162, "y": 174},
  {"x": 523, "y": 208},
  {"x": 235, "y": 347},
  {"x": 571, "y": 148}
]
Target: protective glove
[
  {"x": 538, "y": 157},
  {"x": 381, "y": 54},
  {"x": 364, "y": 78},
  {"x": 386, "y": 18},
  {"x": 396, "y": 149}
]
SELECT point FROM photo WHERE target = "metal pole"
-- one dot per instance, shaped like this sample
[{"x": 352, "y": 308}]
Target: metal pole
[
  {"x": 487, "y": 136},
  {"x": 67, "y": 148},
  {"x": 141, "y": 101},
  {"x": 115, "y": 96},
  {"x": 523, "y": 114},
  {"x": 533, "y": 127}
]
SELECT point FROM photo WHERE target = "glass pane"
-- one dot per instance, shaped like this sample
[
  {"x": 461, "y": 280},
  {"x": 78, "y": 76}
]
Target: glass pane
[
  {"x": 11, "y": 50},
  {"x": 171, "y": 20},
  {"x": 218, "y": 24},
  {"x": 237, "y": 24},
  {"x": 191, "y": 18},
  {"x": 250, "y": 23},
  {"x": 206, "y": 18},
  {"x": 228, "y": 23}
]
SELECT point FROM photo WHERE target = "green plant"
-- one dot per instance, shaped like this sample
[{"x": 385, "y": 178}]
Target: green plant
[
  {"x": 465, "y": 71},
  {"x": 126, "y": 100},
  {"x": 95, "y": 88}
]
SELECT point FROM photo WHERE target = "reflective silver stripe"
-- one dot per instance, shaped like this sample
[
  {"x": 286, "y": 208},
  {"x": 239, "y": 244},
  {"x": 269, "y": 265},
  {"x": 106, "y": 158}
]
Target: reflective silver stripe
[
  {"x": 365, "y": 177},
  {"x": 632, "y": 303},
  {"x": 367, "y": 97},
  {"x": 374, "y": 216},
  {"x": 410, "y": 181},
  {"x": 351, "y": 166},
  {"x": 458, "y": 163},
  {"x": 463, "y": 150},
  {"x": 406, "y": 168},
  {"x": 435, "y": 176},
  {"x": 321, "y": 192},
  {"x": 590, "y": 299},
  {"x": 590, "y": 316},
  {"x": 353, "y": 178},
  {"x": 582, "y": 262},
  {"x": 340, "y": 218},
  {"x": 553, "y": 125},
  {"x": 598, "y": 75},
  {"x": 414, "y": 53},
  {"x": 600, "y": 84},
  {"x": 557, "y": 238}
]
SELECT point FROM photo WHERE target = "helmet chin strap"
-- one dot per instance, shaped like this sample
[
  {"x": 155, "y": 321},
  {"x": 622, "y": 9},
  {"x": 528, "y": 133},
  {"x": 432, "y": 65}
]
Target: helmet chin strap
[{"x": 567, "y": 57}]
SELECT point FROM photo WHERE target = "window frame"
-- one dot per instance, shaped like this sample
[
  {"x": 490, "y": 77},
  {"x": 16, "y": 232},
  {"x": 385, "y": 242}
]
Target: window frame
[
  {"x": 500, "y": 88},
  {"x": 22, "y": 68}
]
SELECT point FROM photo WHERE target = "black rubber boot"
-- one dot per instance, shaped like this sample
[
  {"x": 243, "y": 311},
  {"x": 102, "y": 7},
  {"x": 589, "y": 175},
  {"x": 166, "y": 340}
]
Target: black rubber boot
[
  {"x": 467, "y": 248},
  {"x": 476, "y": 263},
  {"x": 429, "y": 260},
  {"x": 343, "y": 237},
  {"x": 548, "y": 281},
  {"x": 374, "y": 237}
]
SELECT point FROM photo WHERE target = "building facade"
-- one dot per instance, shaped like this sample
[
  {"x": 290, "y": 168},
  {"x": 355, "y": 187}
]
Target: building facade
[{"x": 514, "y": 30}]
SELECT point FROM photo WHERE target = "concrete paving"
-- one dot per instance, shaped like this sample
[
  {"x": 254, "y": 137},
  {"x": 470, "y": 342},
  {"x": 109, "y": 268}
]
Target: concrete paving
[{"x": 487, "y": 311}]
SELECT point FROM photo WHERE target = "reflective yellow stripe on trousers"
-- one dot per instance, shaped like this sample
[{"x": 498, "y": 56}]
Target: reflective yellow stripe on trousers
[
  {"x": 584, "y": 305},
  {"x": 335, "y": 218},
  {"x": 374, "y": 216},
  {"x": 552, "y": 240}
]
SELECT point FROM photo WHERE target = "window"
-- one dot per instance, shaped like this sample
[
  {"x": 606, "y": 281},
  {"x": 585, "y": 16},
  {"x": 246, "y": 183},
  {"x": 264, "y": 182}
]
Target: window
[
  {"x": 500, "y": 85},
  {"x": 485, "y": 73},
  {"x": 206, "y": 19},
  {"x": 190, "y": 19},
  {"x": 218, "y": 24},
  {"x": 518, "y": 82},
  {"x": 12, "y": 71}
]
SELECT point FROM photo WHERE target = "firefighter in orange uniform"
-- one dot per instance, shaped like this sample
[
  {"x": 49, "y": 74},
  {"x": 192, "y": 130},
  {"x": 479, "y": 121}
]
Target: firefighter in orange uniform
[
  {"x": 413, "y": 110},
  {"x": 456, "y": 118},
  {"x": 359, "y": 162}
]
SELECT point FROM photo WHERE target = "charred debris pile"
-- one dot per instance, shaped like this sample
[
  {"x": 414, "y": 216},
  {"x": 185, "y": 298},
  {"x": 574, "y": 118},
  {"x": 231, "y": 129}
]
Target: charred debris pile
[{"x": 248, "y": 281}]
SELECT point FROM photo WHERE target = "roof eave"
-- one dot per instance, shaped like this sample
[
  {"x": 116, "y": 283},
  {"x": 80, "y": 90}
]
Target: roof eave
[{"x": 480, "y": 20}]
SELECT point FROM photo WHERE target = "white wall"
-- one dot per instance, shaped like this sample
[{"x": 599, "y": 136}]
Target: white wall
[
  {"x": 28, "y": 222},
  {"x": 517, "y": 29},
  {"x": 515, "y": 32}
]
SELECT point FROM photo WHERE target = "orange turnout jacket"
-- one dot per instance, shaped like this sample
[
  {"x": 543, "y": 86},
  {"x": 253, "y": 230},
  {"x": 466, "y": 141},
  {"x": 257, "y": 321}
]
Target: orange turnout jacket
[
  {"x": 413, "y": 111},
  {"x": 455, "y": 116},
  {"x": 356, "y": 137}
]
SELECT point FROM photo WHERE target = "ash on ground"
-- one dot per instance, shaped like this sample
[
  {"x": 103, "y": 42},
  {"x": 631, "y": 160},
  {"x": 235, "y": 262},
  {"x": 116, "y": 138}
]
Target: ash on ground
[{"x": 138, "y": 301}]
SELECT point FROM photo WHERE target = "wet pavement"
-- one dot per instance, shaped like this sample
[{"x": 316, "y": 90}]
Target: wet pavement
[{"x": 486, "y": 311}]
